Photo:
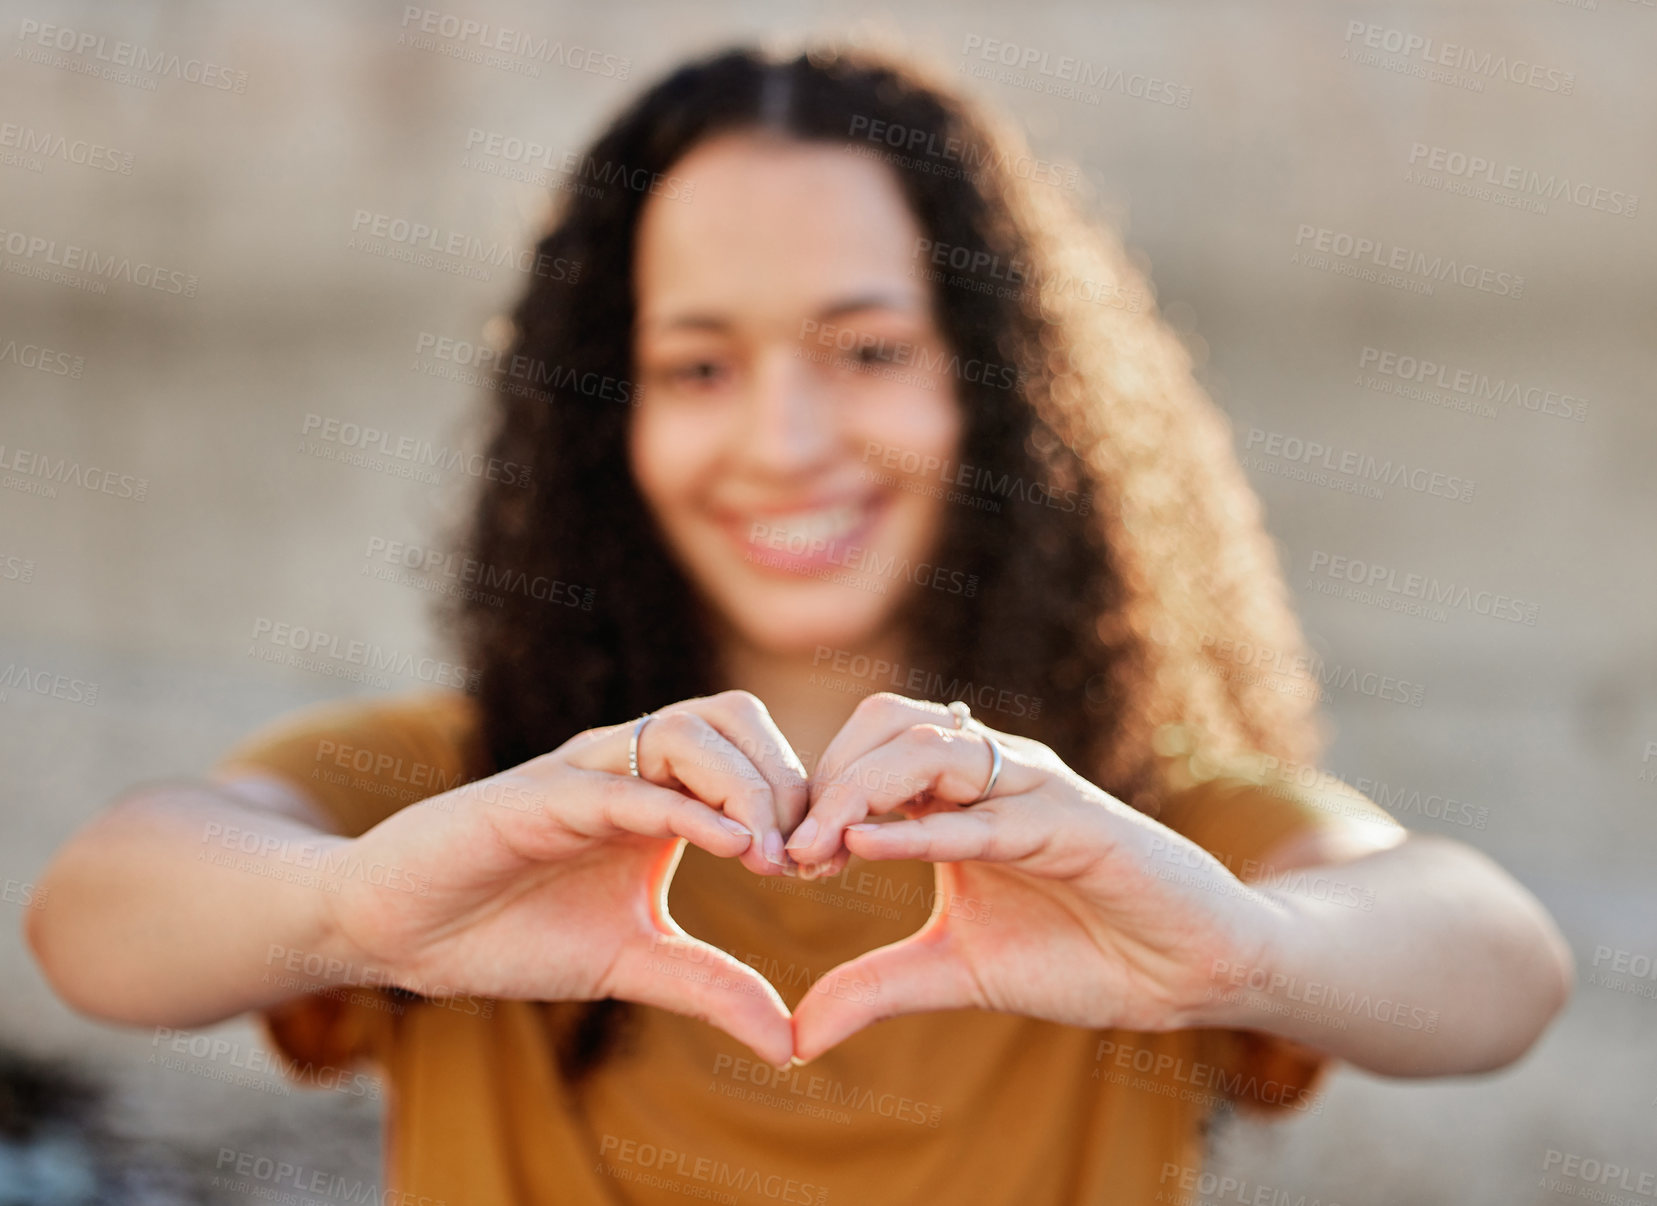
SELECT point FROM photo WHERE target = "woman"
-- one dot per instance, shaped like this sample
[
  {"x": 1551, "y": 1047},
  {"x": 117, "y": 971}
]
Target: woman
[{"x": 843, "y": 397}]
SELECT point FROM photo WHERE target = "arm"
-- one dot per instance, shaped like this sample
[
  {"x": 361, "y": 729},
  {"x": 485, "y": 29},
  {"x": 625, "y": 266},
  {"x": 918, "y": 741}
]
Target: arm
[
  {"x": 143, "y": 926},
  {"x": 1106, "y": 918},
  {"x": 1451, "y": 968},
  {"x": 544, "y": 882}
]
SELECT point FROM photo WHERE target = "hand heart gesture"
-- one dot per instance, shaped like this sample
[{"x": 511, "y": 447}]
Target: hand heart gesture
[
  {"x": 549, "y": 881},
  {"x": 1085, "y": 927}
]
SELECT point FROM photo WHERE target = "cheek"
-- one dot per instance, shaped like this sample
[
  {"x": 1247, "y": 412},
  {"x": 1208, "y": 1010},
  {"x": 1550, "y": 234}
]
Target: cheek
[
  {"x": 669, "y": 453},
  {"x": 912, "y": 436}
]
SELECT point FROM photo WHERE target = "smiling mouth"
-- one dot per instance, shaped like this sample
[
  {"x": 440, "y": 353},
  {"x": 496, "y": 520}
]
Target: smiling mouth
[{"x": 808, "y": 539}]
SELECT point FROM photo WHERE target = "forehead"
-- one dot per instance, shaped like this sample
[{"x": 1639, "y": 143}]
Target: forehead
[{"x": 773, "y": 229}]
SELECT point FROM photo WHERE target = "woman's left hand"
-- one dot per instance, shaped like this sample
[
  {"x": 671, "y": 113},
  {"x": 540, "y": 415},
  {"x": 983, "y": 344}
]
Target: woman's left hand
[{"x": 1090, "y": 912}]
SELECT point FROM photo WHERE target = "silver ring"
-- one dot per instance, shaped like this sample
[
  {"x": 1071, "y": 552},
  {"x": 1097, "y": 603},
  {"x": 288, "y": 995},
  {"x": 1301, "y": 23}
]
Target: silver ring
[
  {"x": 963, "y": 716},
  {"x": 633, "y": 744},
  {"x": 995, "y": 769}
]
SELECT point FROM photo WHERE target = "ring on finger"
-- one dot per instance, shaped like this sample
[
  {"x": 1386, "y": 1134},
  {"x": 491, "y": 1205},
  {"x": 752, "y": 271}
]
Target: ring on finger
[
  {"x": 963, "y": 717},
  {"x": 633, "y": 744}
]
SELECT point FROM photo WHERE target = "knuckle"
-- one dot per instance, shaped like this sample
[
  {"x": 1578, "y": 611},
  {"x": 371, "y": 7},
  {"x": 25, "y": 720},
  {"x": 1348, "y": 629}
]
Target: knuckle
[
  {"x": 576, "y": 744},
  {"x": 929, "y": 738},
  {"x": 789, "y": 777},
  {"x": 743, "y": 703},
  {"x": 844, "y": 778},
  {"x": 733, "y": 760},
  {"x": 609, "y": 808},
  {"x": 753, "y": 800},
  {"x": 685, "y": 816},
  {"x": 881, "y": 702},
  {"x": 681, "y": 724},
  {"x": 825, "y": 787}
]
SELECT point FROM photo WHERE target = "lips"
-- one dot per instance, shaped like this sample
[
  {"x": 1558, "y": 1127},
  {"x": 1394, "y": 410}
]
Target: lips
[{"x": 804, "y": 539}]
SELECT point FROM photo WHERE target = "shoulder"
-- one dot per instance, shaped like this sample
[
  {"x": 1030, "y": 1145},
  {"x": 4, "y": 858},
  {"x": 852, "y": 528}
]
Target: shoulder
[
  {"x": 363, "y": 759},
  {"x": 348, "y": 733},
  {"x": 1243, "y": 810}
]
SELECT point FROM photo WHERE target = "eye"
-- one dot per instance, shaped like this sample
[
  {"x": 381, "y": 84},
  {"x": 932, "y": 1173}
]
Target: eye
[
  {"x": 697, "y": 374},
  {"x": 871, "y": 353}
]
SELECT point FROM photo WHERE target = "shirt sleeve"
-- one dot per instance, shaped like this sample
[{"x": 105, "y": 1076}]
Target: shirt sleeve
[
  {"x": 1239, "y": 816},
  {"x": 359, "y": 761},
  {"x": 362, "y": 760}
]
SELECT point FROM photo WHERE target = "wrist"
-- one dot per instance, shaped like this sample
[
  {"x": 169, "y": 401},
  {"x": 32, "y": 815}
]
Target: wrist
[
  {"x": 1253, "y": 986},
  {"x": 320, "y": 950}
]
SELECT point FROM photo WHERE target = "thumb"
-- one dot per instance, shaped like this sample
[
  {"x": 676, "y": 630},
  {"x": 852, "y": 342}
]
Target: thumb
[
  {"x": 913, "y": 975},
  {"x": 674, "y": 971}
]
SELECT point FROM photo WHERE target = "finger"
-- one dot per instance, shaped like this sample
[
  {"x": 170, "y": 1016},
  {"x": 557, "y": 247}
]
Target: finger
[
  {"x": 828, "y": 870},
  {"x": 686, "y": 749},
  {"x": 678, "y": 748},
  {"x": 620, "y": 804},
  {"x": 744, "y": 721},
  {"x": 982, "y": 834},
  {"x": 892, "y": 841},
  {"x": 916, "y": 974},
  {"x": 877, "y": 719},
  {"x": 925, "y": 761},
  {"x": 671, "y": 970}
]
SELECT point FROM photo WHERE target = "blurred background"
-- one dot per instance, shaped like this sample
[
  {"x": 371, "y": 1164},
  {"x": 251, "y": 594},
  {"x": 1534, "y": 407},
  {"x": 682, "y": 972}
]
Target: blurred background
[{"x": 1502, "y": 157}]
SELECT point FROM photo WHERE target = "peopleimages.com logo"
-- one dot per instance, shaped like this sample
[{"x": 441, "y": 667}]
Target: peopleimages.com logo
[
  {"x": 42, "y": 359},
  {"x": 1036, "y": 69},
  {"x": 1376, "y": 577},
  {"x": 1387, "y": 263},
  {"x": 330, "y": 653},
  {"x": 46, "y": 258},
  {"x": 1355, "y": 472},
  {"x": 474, "y": 41},
  {"x": 1419, "y": 376},
  {"x": 1476, "y": 172},
  {"x": 118, "y": 61},
  {"x": 36, "y": 146},
  {"x": 1447, "y": 62}
]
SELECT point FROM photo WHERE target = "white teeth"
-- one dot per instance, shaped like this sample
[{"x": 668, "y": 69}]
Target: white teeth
[{"x": 829, "y": 523}]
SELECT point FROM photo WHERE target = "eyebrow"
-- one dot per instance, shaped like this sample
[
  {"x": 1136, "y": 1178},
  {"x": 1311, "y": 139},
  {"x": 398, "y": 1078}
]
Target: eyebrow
[{"x": 854, "y": 304}]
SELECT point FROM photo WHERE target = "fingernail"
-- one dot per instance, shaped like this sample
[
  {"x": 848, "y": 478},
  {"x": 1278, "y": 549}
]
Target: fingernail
[
  {"x": 804, "y": 834},
  {"x": 736, "y": 827},
  {"x": 773, "y": 849},
  {"x": 864, "y": 826},
  {"x": 796, "y": 1062}
]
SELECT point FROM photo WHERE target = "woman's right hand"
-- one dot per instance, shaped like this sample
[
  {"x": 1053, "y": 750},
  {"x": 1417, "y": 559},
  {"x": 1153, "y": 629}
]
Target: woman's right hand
[{"x": 548, "y": 881}]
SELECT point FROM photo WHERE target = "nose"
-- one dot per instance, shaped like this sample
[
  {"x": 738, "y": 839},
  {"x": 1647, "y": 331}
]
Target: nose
[{"x": 790, "y": 426}]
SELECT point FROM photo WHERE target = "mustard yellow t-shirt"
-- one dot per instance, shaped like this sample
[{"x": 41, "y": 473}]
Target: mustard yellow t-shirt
[{"x": 966, "y": 1107}]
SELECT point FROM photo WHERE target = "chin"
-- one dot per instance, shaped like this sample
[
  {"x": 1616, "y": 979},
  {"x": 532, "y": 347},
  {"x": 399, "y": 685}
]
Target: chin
[{"x": 833, "y": 617}]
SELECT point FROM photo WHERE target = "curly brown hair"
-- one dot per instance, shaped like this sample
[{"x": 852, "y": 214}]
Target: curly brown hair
[{"x": 1125, "y": 560}]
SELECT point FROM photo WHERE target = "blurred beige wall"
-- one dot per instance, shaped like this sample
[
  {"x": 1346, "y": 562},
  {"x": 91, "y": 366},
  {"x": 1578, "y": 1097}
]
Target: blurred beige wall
[{"x": 1294, "y": 133}]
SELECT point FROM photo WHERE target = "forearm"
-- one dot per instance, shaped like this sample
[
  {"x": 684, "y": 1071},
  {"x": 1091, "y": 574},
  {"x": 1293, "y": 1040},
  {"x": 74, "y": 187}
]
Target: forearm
[
  {"x": 1430, "y": 960},
  {"x": 153, "y": 917}
]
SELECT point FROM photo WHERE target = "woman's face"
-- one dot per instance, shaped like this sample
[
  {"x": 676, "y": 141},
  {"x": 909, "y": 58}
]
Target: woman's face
[{"x": 797, "y": 410}]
